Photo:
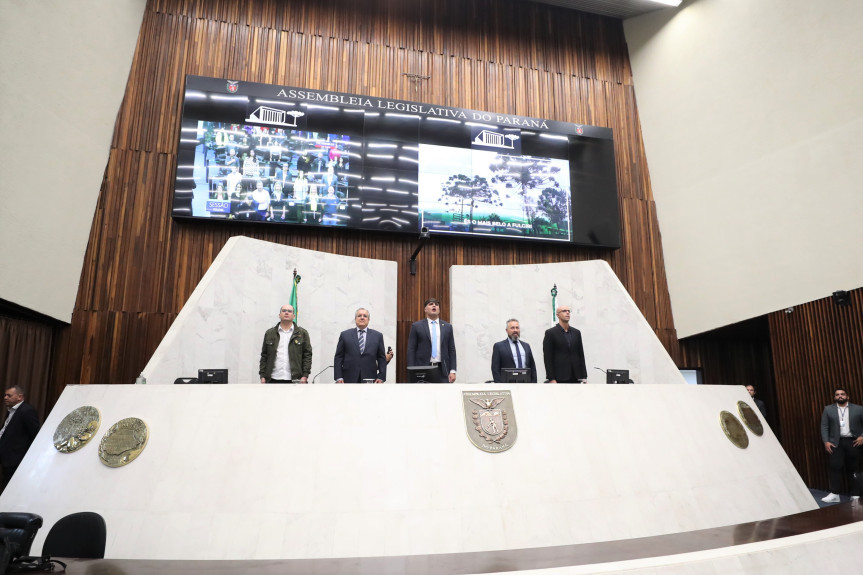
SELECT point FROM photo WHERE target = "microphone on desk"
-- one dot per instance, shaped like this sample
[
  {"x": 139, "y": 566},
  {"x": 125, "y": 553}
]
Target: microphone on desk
[{"x": 314, "y": 379}]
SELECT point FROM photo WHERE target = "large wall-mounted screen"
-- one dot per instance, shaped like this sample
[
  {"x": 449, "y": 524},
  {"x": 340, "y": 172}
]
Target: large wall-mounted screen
[{"x": 279, "y": 155}]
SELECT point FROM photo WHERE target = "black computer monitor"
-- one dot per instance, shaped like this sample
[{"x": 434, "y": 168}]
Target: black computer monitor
[
  {"x": 617, "y": 376},
  {"x": 423, "y": 374},
  {"x": 515, "y": 374},
  {"x": 212, "y": 376}
]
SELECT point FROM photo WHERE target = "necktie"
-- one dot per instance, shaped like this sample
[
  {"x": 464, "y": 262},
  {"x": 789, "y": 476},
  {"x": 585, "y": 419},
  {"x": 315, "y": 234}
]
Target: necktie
[
  {"x": 362, "y": 341},
  {"x": 517, "y": 355},
  {"x": 434, "y": 339}
]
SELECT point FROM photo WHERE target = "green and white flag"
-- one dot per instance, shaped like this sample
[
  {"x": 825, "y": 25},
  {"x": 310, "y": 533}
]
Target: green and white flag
[{"x": 293, "y": 301}]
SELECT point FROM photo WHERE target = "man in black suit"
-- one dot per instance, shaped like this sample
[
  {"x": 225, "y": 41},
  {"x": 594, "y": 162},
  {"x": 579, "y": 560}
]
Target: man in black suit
[
  {"x": 512, "y": 352},
  {"x": 842, "y": 434},
  {"x": 563, "y": 352},
  {"x": 431, "y": 342},
  {"x": 758, "y": 403},
  {"x": 360, "y": 353},
  {"x": 18, "y": 432}
]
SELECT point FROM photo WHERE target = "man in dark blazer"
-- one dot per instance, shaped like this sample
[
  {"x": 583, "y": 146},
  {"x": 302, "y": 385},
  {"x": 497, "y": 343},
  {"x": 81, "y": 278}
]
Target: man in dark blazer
[
  {"x": 360, "y": 353},
  {"x": 842, "y": 434},
  {"x": 431, "y": 342},
  {"x": 563, "y": 352},
  {"x": 18, "y": 432},
  {"x": 504, "y": 353},
  {"x": 758, "y": 403}
]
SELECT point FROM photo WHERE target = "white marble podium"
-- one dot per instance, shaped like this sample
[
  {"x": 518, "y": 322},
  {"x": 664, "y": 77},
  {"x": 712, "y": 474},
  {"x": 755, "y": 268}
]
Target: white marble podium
[
  {"x": 270, "y": 472},
  {"x": 615, "y": 333},
  {"x": 223, "y": 322}
]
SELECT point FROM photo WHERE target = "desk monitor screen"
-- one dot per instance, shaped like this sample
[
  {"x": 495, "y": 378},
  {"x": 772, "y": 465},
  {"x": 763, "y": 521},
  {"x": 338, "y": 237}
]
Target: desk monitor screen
[
  {"x": 422, "y": 374},
  {"x": 515, "y": 375},
  {"x": 212, "y": 376},
  {"x": 617, "y": 376}
]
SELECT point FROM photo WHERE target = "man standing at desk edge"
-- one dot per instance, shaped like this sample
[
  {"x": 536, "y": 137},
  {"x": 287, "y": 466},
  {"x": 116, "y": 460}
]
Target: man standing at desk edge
[
  {"x": 563, "y": 351},
  {"x": 512, "y": 353},
  {"x": 360, "y": 353},
  {"x": 431, "y": 342},
  {"x": 286, "y": 355}
]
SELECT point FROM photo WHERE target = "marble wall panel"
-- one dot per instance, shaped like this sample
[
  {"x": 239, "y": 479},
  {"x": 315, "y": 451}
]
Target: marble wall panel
[
  {"x": 616, "y": 335},
  {"x": 223, "y": 323}
]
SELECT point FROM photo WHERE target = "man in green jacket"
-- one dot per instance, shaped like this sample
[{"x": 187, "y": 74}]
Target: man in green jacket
[{"x": 286, "y": 356}]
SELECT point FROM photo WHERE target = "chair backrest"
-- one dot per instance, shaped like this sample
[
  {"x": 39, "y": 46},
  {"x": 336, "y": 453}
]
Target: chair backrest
[
  {"x": 19, "y": 529},
  {"x": 79, "y": 535}
]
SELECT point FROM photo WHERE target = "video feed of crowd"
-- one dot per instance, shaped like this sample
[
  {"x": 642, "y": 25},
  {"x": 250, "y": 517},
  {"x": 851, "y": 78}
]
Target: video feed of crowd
[{"x": 261, "y": 174}]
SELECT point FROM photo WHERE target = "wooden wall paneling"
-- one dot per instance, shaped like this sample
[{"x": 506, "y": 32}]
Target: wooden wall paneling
[
  {"x": 664, "y": 319},
  {"x": 502, "y": 57},
  {"x": 816, "y": 348}
]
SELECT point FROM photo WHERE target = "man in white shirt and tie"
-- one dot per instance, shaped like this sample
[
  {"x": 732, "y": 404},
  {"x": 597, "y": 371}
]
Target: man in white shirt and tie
[
  {"x": 431, "y": 342},
  {"x": 512, "y": 353}
]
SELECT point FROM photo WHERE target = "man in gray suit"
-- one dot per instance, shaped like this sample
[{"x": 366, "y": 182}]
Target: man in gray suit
[
  {"x": 842, "y": 434},
  {"x": 360, "y": 353}
]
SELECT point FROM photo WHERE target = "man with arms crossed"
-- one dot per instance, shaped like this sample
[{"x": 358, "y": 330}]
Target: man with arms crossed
[
  {"x": 563, "y": 352},
  {"x": 512, "y": 352},
  {"x": 842, "y": 434},
  {"x": 286, "y": 355},
  {"x": 18, "y": 432},
  {"x": 360, "y": 353},
  {"x": 431, "y": 342}
]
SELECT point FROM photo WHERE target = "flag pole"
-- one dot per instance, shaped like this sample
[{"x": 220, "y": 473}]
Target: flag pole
[{"x": 294, "y": 294}]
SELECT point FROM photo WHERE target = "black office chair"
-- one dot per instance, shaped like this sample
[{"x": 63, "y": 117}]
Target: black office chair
[
  {"x": 17, "y": 531},
  {"x": 79, "y": 535}
]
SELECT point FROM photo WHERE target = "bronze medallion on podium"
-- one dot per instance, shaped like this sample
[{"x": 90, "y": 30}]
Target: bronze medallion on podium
[
  {"x": 490, "y": 419},
  {"x": 124, "y": 441},
  {"x": 747, "y": 414},
  {"x": 76, "y": 429}
]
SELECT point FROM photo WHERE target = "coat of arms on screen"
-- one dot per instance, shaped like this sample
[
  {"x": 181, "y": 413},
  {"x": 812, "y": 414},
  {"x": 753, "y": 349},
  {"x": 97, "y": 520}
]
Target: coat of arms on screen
[
  {"x": 233, "y": 86},
  {"x": 490, "y": 419}
]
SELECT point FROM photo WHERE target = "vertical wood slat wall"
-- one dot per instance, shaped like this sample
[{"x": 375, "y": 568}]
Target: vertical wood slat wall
[
  {"x": 816, "y": 348},
  {"x": 496, "y": 55}
]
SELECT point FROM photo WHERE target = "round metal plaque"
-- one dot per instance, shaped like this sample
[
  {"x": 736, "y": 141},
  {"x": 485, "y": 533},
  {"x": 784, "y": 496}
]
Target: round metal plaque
[
  {"x": 750, "y": 418},
  {"x": 77, "y": 428},
  {"x": 733, "y": 429},
  {"x": 124, "y": 442}
]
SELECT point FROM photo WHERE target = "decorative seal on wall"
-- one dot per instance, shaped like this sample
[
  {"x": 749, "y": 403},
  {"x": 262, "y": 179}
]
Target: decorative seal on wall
[
  {"x": 490, "y": 419},
  {"x": 124, "y": 442},
  {"x": 747, "y": 414},
  {"x": 733, "y": 429},
  {"x": 77, "y": 428}
]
